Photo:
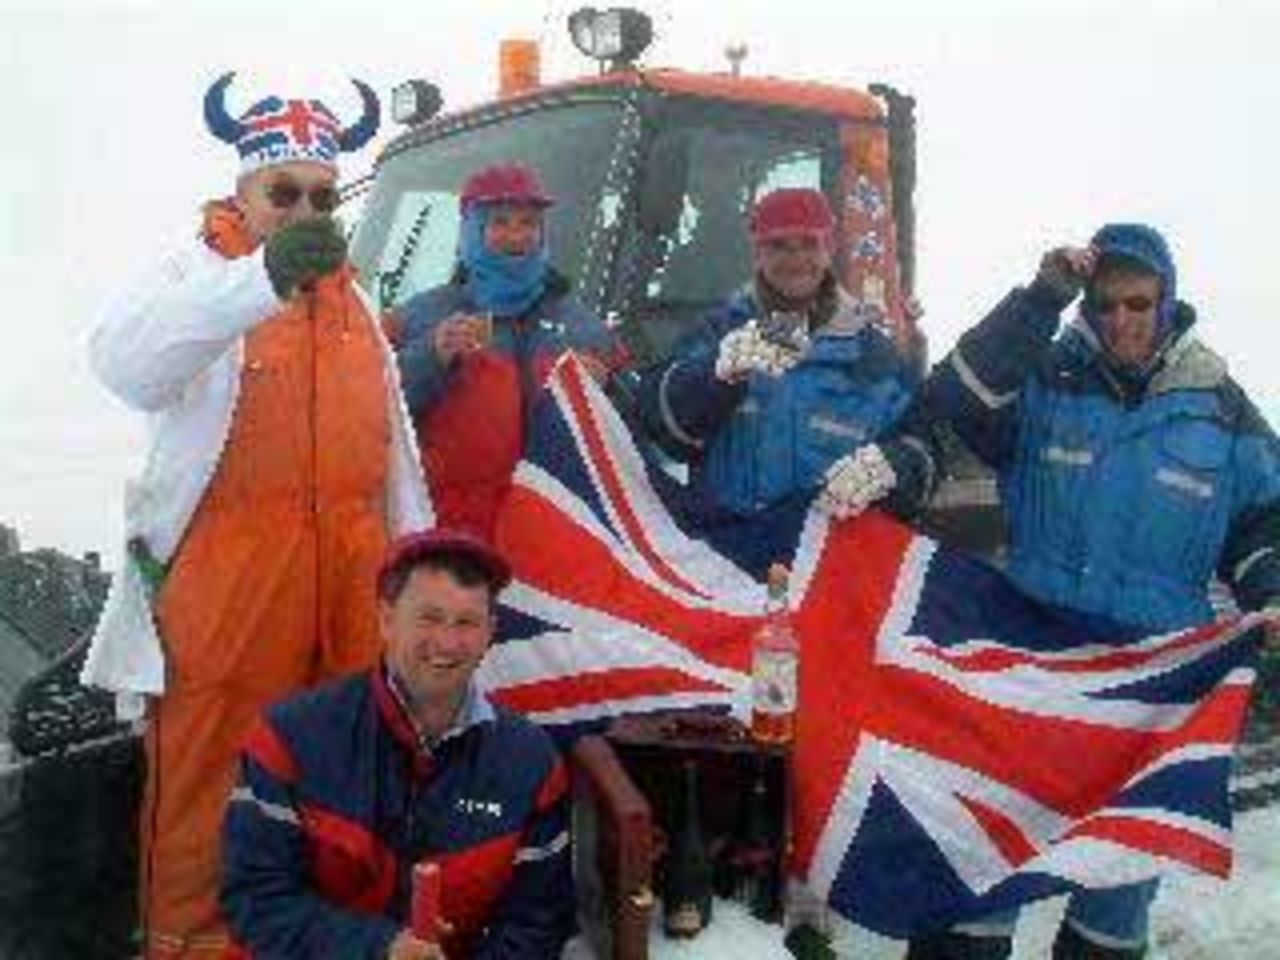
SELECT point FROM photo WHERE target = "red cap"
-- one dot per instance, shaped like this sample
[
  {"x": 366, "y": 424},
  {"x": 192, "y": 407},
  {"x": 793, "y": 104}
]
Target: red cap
[
  {"x": 790, "y": 212},
  {"x": 412, "y": 548},
  {"x": 504, "y": 183}
]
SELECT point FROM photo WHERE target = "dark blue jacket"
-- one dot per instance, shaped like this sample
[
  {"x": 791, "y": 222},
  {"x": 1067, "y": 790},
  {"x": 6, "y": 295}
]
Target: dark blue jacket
[
  {"x": 1123, "y": 497},
  {"x": 338, "y": 800},
  {"x": 754, "y": 443}
]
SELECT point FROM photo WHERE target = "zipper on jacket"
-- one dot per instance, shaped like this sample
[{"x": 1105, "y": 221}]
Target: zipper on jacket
[
  {"x": 408, "y": 848},
  {"x": 313, "y": 485},
  {"x": 524, "y": 370}
]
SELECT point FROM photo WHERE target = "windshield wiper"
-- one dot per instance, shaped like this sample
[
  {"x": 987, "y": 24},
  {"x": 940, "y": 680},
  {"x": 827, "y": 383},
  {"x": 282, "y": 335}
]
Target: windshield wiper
[{"x": 389, "y": 281}]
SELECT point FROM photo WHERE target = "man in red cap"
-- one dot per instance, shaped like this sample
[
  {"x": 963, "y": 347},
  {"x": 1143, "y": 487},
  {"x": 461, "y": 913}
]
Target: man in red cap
[
  {"x": 474, "y": 352},
  {"x": 345, "y": 789},
  {"x": 788, "y": 378}
]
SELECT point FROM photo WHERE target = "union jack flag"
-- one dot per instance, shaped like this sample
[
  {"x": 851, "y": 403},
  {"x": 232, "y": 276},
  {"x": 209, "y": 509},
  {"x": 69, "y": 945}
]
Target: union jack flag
[{"x": 958, "y": 749}]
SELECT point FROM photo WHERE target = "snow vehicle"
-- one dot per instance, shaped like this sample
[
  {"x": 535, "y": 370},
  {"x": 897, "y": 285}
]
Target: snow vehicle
[{"x": 653, "y": 170}]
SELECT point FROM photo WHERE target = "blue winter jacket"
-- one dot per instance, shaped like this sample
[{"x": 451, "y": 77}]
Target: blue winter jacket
[
  {"x": 338, "y": 799},
  {"x": 755, "y": 443},
  {"x": 1122, "y": 498}
]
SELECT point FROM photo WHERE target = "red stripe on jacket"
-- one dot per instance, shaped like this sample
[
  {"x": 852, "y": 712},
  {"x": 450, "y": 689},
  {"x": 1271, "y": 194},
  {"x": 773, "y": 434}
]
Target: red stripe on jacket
[
  {"x": 269, "y": 750},
  {"x": 349, "y": 865}
]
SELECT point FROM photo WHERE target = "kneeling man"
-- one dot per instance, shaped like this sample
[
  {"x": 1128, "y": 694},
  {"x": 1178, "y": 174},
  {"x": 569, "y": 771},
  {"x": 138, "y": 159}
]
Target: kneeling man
[{"x": 345, "y": 788}]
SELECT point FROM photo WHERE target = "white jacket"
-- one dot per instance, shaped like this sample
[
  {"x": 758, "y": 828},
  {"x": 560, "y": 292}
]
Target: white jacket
[{"x": 172, "y": 344}]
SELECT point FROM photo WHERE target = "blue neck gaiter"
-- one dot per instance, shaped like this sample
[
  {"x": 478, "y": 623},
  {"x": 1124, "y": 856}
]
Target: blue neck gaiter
[{"x": 499, "y": 283}]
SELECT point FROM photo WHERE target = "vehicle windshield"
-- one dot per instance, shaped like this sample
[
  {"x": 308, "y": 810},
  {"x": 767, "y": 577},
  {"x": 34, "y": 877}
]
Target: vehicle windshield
[
  {"x": 707, "y": 163},
  {"x": 650, "y": 228},
  {"x": 408, "y": 235}
]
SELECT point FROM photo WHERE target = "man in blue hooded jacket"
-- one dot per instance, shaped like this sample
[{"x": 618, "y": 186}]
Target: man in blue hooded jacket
[{"x": 1133, "y": 471}]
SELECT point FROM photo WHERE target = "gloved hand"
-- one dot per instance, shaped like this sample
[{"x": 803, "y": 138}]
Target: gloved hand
[
  {"x": 745, "y": 350},
  {"x": 1064, "y": 271},
  {"x": 302, "y": 252},
  {"x": 856, "y": 481}
]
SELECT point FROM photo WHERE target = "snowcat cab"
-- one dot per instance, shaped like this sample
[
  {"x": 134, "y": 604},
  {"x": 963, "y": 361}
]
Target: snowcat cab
[{"x": 654, "y": 172}]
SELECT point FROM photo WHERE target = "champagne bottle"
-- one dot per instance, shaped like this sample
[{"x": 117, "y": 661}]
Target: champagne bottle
[
  {"x": 756, "y": 854},
  {"x": 687, "y": 897},
  {"x": 775, "y": 654}
]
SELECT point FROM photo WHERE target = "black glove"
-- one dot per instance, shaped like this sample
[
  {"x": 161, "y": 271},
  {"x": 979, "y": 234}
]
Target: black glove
[{"x": 302, "y": 252}]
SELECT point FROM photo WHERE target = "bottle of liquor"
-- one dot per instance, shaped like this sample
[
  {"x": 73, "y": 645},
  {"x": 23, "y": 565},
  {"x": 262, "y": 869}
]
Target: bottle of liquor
[
  {"x": 775, "y": 657},
  {"x": 686, "y": 902},
  {"x": 756, "y": 852}
]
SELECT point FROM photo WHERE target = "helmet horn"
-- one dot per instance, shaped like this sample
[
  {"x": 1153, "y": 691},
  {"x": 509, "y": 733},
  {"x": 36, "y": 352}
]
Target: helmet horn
[
  {"x": 216, "y": 118},
  {"x": 355, "y": 137}
]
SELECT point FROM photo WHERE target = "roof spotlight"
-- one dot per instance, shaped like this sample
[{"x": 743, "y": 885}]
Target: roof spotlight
[
  {"x": 615, "y": 37},
  {"x": 415, "y": 101}
]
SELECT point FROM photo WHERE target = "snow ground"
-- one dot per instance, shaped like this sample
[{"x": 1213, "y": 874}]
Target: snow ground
[{"x": 1195, "y": 918}]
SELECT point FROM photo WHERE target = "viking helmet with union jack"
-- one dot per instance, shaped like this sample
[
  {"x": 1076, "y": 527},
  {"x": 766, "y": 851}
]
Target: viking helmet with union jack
[{"x": 275, "y": 130}]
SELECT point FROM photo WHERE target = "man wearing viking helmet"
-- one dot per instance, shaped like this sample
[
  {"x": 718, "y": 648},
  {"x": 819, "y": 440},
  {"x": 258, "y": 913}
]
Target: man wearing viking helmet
[{"x": 281, "y": 460}]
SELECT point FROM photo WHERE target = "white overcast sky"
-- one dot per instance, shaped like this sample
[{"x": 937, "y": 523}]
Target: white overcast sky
[{"x": 1038, "y": 121}]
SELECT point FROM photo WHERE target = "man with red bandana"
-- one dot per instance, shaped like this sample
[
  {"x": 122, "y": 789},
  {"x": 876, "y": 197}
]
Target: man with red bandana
[
  {"x": 474, "y": 352},
  {"x": 280, "y": 462}
]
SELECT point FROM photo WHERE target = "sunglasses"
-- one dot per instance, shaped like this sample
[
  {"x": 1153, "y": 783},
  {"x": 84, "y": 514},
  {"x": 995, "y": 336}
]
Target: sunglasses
[
  {"x": 1134, "y": 304},
  {"x": 285, "y": 194}
]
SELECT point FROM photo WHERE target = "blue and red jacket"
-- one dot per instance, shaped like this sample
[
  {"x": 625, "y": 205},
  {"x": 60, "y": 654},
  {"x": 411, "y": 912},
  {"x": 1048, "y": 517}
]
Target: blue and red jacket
[
  {"x": 338, "y": 800},
  {"x": 471, "y": 415}
]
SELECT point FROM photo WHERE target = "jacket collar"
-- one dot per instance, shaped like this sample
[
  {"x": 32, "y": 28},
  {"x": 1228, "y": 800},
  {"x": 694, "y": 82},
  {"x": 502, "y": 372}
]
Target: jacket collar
[
  {"x": 835, "y": 313},
  {"x": 850, "y": 316},
  {"x": 1181, "y": 363},
  {"x": 393, "y": 705}
]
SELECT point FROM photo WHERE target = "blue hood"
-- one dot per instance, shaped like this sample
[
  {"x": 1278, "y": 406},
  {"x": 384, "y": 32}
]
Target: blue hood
[
  {"x": 1137, "y": 241},
  {"x": 504, "y": 285}
]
